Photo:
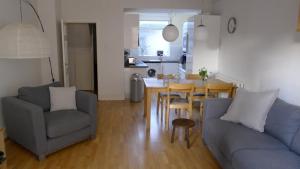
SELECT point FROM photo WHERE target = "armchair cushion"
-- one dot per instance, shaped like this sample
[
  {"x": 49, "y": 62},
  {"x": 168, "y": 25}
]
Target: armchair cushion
[
  {"x": 39, "y": 96},
  {"x": 59, "y": 123}
]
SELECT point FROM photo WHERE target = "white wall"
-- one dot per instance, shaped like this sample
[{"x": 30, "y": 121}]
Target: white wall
[
  {"x": 264, "y": 52},
  {"x": 206, "y": 52},
  {"x": 109, "y": 18},
  {"x": 16, "y": 73}
]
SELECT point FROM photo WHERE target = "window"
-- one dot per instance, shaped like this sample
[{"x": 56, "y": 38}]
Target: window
[{"x": 151, "y": 40}]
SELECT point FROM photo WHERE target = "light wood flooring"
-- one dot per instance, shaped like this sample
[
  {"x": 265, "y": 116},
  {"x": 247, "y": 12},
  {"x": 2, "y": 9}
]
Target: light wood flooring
[{"x": 122, "y": 143}]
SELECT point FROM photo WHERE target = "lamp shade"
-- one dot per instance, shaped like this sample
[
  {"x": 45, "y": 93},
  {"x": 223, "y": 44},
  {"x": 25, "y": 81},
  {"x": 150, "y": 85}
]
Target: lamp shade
[
  {"x": 23, "y": 41},
  {"x": 170, "y": 33},
  {"x": 201, "y": 33}
]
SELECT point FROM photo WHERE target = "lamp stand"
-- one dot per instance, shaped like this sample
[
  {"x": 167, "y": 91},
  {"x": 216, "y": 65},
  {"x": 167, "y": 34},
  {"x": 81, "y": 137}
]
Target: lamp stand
[{"x": 40, "y": 22}]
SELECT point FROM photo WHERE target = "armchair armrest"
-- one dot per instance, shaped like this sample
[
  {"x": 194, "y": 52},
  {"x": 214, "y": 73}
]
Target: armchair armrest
[
  {"x": 215, "y": 108},
  {"x": 87, "y": 102},
  {"x": 25, "y": 124}
]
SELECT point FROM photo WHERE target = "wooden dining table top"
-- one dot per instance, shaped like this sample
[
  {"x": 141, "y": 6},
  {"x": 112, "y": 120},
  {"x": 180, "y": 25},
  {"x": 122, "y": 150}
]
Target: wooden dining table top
[{"x": 155, "y": 83}]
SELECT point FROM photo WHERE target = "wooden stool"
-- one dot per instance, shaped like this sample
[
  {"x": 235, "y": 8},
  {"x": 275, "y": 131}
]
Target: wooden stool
[{"x": 187, "y": 124}]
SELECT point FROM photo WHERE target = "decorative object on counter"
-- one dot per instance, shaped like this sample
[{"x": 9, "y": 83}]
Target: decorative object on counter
[
  {"x": 203, "y": 73},
  {"x": 231, "y": 25},
  {"x": 160, "y": 53},
  {"x": 201, "y": 31},
  {"x": 170, "y": 32},
  {"x": 25, "y": 41}
]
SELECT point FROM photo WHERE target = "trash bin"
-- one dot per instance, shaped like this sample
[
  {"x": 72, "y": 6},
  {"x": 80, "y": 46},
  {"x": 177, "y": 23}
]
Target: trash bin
[{"x": 136, "y": 88}]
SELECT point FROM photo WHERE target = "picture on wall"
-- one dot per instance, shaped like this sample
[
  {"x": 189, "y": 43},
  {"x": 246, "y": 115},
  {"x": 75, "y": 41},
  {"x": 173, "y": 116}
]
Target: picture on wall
[{"x": 298, "y": 26}]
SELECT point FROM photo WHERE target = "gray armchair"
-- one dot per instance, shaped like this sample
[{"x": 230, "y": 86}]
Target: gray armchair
[{"x": 30, "y": 123}]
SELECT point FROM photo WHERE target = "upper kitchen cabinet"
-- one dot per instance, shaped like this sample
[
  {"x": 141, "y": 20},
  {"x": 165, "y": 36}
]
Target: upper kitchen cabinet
[
  {"x": 202, "y": 53},
  {"x": 131, "y": 31}
]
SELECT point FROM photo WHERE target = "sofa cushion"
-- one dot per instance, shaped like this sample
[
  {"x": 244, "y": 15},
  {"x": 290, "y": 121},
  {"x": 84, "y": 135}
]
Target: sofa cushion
[
  {"x": 251, "y": 108},
  {"x": 265, "y": 159},
  {"x": 59, "y": 123},
  {"x": 235, "y": 137},
  {"x": 39, "y": 95},
  {"x": 295, "y": 146},
  {"x": 283, "y": 121}
]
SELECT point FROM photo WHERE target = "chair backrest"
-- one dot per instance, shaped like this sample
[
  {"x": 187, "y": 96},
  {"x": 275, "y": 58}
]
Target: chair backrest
[
  {"x": 214, "y": 89},
  {"x": 183, "y": 89},
  {"x": 193, "y": 77},
  {"x": 163, "y": 76}
]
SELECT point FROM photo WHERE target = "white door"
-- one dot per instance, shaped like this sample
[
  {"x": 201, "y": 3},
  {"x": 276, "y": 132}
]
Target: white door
[{"x": 66, "y": 70}]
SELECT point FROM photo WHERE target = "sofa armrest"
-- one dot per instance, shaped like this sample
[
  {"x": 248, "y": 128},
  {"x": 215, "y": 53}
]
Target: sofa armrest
[
  {"x": 87, "y": 102},
  {"x": 25, "y": 124},
  {"x": 215, "y": 108}
]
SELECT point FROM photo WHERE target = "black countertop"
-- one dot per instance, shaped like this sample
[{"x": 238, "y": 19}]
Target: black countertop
[
  {"x": 159, "y": 61},
  {"x": 138, "y": 64}
]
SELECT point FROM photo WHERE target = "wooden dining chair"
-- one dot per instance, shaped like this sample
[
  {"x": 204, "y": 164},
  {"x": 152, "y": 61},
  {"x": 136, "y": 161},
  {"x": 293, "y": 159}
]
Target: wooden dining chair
[
  {"x": 185, "y": 103},
  {"x": 162, "y": 96},
  {"x": 213, "y": 90},
  {"x": 197, "y": 96}
]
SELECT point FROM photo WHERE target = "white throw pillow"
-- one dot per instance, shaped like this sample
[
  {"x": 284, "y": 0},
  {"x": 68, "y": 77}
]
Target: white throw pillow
[
  {"x": 62, "y": 98},
  {"x": 251, "y": 108}
]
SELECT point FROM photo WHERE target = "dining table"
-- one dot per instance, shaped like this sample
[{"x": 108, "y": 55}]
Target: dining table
[{"x": 154, "y": 86}]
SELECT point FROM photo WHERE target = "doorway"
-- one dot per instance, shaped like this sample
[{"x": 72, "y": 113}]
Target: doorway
[{"x": 80, "y": 56}]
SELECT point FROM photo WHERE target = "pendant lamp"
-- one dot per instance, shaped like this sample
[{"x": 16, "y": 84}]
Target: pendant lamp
[
  {"x": 201, "y": 31},
  {"x": 170, "y": 32}
]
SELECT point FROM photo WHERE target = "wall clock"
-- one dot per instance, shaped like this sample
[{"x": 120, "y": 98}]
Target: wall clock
[{"x": 231, "y": 25}]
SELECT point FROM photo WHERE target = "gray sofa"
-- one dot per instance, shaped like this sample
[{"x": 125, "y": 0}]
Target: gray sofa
[
  {"x": 30, "y": 123},
  {"x": 238, "y": 147}
]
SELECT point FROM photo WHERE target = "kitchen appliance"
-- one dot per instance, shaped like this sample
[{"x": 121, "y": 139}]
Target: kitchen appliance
[{"x": 131, "y": 60}]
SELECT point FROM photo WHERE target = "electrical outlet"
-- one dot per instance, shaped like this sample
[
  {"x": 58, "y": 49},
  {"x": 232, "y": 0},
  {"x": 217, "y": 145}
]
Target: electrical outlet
[{"x": 241, "y": 85}]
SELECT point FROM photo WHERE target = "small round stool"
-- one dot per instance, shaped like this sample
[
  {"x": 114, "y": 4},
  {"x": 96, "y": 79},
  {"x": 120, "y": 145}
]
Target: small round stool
[{"x": 187, "y": 124}]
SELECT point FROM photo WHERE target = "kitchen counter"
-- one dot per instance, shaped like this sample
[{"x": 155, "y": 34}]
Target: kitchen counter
[
  {"x": 138, "y": 64},
  {"x": 159, "y": 61}
]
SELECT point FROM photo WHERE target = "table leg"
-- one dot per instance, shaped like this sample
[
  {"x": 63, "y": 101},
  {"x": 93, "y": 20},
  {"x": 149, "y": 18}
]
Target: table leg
[
  {"x": 145, "y": 101},
  {"x": 148, "y": 108}
]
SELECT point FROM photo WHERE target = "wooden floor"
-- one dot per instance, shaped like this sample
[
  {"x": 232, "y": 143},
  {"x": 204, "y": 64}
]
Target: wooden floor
[{"x": 122, "y": 143}]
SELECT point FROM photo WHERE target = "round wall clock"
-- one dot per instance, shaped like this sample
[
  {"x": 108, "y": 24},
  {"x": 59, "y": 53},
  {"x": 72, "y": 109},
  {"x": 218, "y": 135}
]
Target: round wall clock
[{"x": 231, "y": 25}]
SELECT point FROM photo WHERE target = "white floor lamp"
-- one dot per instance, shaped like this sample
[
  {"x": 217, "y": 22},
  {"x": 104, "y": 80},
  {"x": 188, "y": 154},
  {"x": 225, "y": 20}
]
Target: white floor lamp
[{"x": 25, "y": 41}]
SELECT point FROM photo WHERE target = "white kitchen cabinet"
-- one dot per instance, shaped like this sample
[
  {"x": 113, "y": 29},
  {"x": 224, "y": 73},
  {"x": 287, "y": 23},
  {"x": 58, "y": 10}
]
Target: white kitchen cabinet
[
  {"x": 155, "y": 66},
  {"x": 164, "y": 68},
  {"x": 170, "y": 68},
  {"x": 131, "y": 31}
]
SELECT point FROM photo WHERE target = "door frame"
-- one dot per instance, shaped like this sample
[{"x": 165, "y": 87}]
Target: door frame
[{"x": 86, "y": 21}]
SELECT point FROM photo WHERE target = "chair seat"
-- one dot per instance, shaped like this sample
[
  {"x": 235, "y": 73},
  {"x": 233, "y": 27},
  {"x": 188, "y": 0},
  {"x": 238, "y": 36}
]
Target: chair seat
[
  {"x": 59, "y": 123},
  {"x": 199, "y": 94},
  {"x": 179, "y": 101},
  {"x": 163, "y": 94}
]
